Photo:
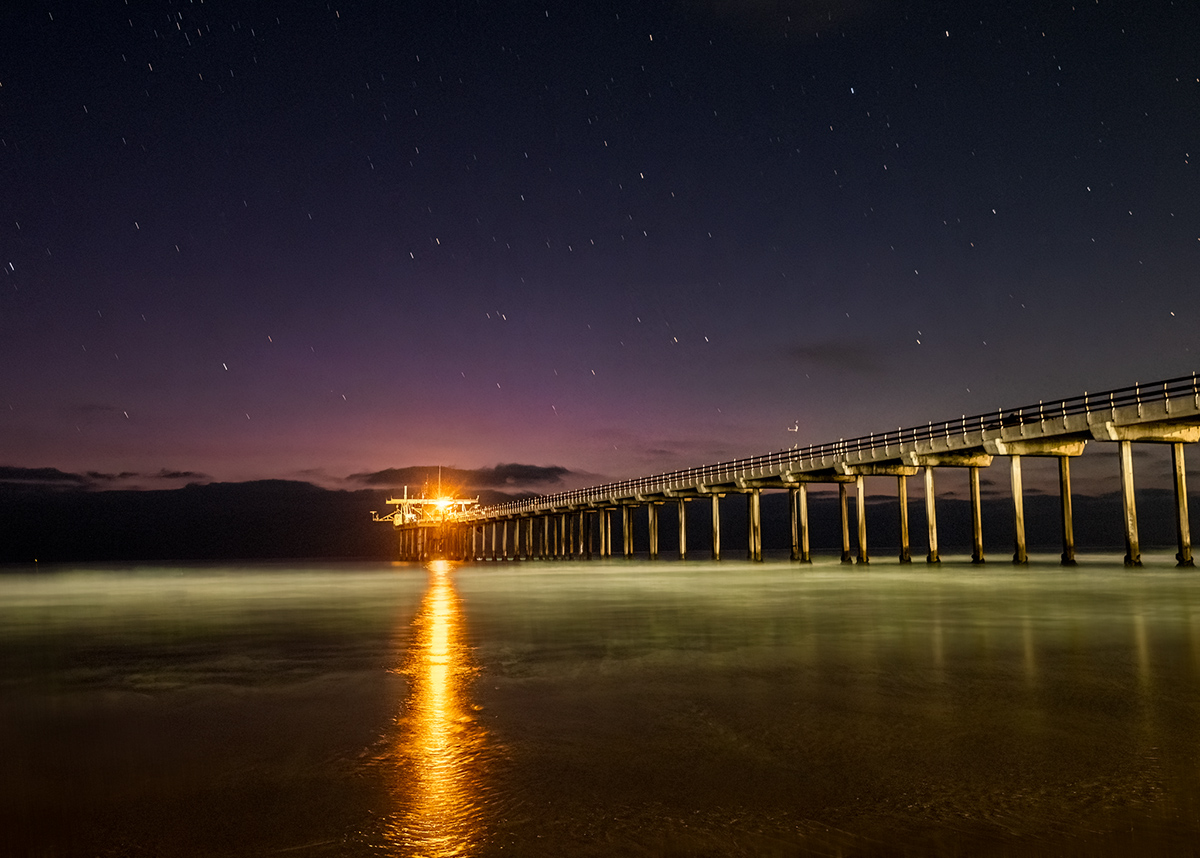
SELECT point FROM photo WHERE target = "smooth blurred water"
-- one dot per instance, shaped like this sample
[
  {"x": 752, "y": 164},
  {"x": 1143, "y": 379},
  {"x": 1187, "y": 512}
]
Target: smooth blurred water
[{"x": 603, "y": 708}]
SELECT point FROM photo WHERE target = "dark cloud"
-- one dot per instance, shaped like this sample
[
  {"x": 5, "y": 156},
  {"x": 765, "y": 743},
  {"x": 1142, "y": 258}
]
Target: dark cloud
[
  {"x": 44, "y": 477},
  {"x": 512, "y": 475},
  {"x": 830, "y": 354},
  {"x": 164, "y": 474},
  {"x": 519, "y": 475},
  {"x": 53, "y": 478}
]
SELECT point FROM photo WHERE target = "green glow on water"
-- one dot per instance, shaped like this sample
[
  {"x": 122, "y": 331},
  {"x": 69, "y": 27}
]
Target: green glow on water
[{"x": 602, "y": 708}]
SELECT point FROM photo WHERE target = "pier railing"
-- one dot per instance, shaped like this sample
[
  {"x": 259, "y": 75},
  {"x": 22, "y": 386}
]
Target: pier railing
[{"x": 722, "y": 472}]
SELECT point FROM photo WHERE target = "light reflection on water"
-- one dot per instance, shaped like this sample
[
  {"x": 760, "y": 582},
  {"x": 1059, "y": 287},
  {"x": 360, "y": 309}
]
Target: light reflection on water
[{"x": 439, "y": 785}]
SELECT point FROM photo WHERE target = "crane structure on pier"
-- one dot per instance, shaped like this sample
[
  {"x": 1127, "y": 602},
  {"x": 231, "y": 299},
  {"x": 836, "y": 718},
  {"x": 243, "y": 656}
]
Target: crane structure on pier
[{"x": 421, "y": 521}]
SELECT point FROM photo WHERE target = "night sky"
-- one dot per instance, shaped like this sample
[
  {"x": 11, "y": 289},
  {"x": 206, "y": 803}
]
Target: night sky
[{"x": 247, "y": 240}]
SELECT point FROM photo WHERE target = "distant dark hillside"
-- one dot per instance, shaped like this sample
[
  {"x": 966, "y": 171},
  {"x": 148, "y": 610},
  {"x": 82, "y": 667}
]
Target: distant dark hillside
[{"x": 267, "y": 519}]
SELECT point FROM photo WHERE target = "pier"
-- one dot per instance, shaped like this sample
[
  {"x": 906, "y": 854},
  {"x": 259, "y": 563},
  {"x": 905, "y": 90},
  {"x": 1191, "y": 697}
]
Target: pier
[{"x": 579, "y": 523}]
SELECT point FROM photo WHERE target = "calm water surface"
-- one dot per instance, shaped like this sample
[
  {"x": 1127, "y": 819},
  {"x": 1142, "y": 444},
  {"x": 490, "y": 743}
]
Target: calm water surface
[{"x": 608, "y": 708}]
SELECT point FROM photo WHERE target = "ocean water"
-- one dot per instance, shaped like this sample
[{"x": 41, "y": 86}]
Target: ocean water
[{"x": 601, "y": 708}]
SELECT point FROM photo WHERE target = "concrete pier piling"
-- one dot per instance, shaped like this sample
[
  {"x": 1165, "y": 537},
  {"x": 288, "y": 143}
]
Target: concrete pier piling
[
  {"x": 798, "y": 502},
  {"x": 1183, "y": 528},
  {"x": 860, "y": 510},
  {"x": 1020, "y": 553},
  {"x": 1133, "y": 551},
  {"x": 754, "y": 524},
  {"x": 716, "y": 527},
  {"x": 652, "y": 522},
  {"x": 845, "y": 515},
  {"x": 627, "y": 530},
  {"x": 976, "y": 518},
  {"x": 682, "y": 508},
  {"x": 931, "y": 516},
  {"x": 1066, "y": 513}
]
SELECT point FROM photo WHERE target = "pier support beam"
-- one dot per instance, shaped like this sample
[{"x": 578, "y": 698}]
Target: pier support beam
[
  {"x": 606, "y": 532},
  {"x": 928, "y": 461},
  {"x": 1067, "y": 515},
  {"x": 860, "y": 510},
  {"x": 1183, "y": 529},
  {"x": 976, "y": 519},
  {"x": 878, "y": 469},
  {"x": 931, "y": 516},
  {"x": 845, "y": 514},
  {"x": 627, "y": 530},
  {"x": 716, "y": 527},
  {"x": 1133, "y": 551},
  {"x": 587, "y": 534},
  {"x": 494, "y": 539},
  {"x": 529, "y": 549},
  {"x": 652, "y": 521},
  {"x": 798, "y": 501},
  {"x": 754, "y": 524},
  {"x": 682, "y": 529},
  {"x": 504, "y": 540},
  {"x": 1020, "y": 552},
  {"x": 1160, "y": 432},
  {"x": 1059, "y": 448}
]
